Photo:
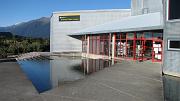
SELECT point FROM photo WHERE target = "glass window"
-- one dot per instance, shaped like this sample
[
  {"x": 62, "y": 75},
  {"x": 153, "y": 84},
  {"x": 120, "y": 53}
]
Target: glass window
[
  {"x": 118, "y": 36},
  {"x": 105, "y": 36},
  {"x": 139, "y": 35},
  {"x": 123, "y": 36},
  {"x": 174, "y": 9},
  {"x": 102, "y": 37},
  {"x": 90, "y": 37},
  {"x": 157, "y": 35},
  {"x": 94, "y": 37},
  {"x": 130, "y": 35},
  {"x": 90, "y": 46},
  {"x": 174, "y": 44},
  {"x": 98, "y": 37},
  {"x": 147, "y": 35}
]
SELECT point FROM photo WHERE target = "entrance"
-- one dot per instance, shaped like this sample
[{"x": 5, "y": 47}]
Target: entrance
[
  {"x": 139, "y": 46},
  {"x": 139, "y": 52}
]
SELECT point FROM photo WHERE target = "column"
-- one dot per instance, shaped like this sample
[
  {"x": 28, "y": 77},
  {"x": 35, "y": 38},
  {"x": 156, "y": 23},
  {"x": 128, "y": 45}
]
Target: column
[
  {"x": 109, "y": 46},
  {"x": 113, "y": 47},
  {"x": 87, "y": 54}
]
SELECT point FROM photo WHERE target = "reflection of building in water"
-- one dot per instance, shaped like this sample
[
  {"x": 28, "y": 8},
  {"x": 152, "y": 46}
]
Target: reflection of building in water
[
  {"x": 61, "y": 70},
  {"x": 67, "y": 69},
  {"x": 93, "y": 65}
]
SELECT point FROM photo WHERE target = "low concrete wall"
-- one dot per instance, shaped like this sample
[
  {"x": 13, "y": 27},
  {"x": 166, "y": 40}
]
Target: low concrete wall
[
  {"x": 28, "y": 55},
  {"x": 71, "y": 54},
  {"x": 94, "y": 56}
]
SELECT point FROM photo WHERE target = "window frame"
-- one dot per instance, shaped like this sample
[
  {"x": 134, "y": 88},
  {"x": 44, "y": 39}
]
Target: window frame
[{"x": 168, "y": 45}]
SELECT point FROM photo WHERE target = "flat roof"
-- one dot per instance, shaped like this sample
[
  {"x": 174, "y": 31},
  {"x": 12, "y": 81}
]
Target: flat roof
[
  {"x": 98, "y": 10},
  {"x": 150, "y": 21}
]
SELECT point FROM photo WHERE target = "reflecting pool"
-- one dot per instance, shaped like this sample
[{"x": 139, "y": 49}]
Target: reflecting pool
[{"x": 47, "y": 74}]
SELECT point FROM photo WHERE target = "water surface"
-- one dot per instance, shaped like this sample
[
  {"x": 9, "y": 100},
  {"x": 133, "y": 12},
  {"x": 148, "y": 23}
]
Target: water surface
[{"x": 47, "y": 74}]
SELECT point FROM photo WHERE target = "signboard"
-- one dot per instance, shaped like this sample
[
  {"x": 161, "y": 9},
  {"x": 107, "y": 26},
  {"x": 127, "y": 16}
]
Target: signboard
[{"x": 69, "y": 18}]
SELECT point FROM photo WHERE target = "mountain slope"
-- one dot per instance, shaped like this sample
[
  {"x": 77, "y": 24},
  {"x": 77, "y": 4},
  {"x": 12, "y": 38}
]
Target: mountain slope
[{"x": 39, "y": 28}]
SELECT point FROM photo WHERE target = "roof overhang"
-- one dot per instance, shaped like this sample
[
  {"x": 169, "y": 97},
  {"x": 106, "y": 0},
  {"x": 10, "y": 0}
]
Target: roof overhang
[{"x": 151, "y": 21}]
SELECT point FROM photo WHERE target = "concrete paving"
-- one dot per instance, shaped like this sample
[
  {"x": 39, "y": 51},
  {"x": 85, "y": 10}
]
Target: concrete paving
[
  {"x": 125, "y": 81},
  {"x": 14, "y": 85}
]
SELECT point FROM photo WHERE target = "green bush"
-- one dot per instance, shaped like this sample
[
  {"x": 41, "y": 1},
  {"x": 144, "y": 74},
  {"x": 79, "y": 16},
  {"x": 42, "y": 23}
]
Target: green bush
[{"x": 16, "y": 45}]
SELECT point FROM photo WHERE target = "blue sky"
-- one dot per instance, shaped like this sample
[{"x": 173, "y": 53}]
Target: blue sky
[{"x": 16, "y": 11}]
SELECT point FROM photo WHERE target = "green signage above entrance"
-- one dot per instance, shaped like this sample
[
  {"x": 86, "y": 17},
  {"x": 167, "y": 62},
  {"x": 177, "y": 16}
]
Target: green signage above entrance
[{"x": 69, "y": 18}]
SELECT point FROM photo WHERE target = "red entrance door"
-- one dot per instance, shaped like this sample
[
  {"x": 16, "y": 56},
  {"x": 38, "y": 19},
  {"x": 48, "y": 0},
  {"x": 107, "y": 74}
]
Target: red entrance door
[{"x": 139, "y": 50}]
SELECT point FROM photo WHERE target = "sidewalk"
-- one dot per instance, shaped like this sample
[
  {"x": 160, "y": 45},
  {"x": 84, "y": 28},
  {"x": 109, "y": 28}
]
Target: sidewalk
[
  {"x": 125, "y": 81},
  {"x": 14, "y": 85}
]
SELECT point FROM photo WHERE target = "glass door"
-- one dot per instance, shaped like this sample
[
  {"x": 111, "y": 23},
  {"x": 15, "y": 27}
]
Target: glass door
[
  {"x": 148, "y": 44},
  {"x": 139, "y": 50}
]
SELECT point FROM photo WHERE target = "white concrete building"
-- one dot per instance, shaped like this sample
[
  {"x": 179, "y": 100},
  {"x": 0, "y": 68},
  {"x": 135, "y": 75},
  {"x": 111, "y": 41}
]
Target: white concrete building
[{"x": 66, "y": 22}]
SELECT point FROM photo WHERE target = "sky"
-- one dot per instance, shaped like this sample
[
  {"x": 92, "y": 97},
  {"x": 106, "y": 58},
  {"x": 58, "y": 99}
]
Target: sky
[{"x": 17, "y": 11}]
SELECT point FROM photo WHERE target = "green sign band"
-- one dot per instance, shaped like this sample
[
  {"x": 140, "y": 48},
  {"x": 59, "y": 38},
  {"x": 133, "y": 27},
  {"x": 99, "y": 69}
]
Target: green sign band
[{"x": 69, "y": 18}]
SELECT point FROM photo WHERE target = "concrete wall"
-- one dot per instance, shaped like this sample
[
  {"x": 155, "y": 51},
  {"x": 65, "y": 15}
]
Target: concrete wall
[
  {"x": 171, "y": 87},
  {"x": 145, "y": 6},
  {"x": 171, "y": 60},
  {"x": 59, "y": 39}
]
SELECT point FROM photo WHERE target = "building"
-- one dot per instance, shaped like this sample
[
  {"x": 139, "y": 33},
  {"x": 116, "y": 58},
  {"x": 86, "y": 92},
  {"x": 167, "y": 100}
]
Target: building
[
  {"x": 111, "y": 33},
  {"x": 150, "y": 33},
  {"x": 66, "y": 22},
  {"x": 171, "y": 61},
  {"x": 140, "y": 7},
  {"x": 137, "y": 37}
]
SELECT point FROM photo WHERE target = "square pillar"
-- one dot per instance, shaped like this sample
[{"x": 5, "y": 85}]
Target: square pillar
[
  {"x": 113, "y": 46},
  {"x": 87, "y": 53},
  {"x": 109, "y": 46}
]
